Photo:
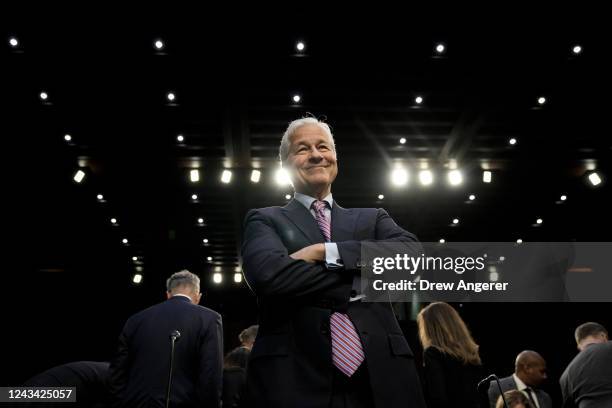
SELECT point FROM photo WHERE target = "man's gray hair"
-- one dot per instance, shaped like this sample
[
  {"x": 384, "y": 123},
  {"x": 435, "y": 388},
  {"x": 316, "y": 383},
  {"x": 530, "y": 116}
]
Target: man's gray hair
[
  {"x": 283, "y": 152},
  {"x": 182, "y": 279},
  {"x": 589, "y": 329}
]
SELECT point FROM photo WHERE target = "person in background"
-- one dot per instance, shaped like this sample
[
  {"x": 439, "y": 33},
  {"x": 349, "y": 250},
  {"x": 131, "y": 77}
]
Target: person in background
[
  {"x": 140, "y": 369},
  {"x": 247, "y": 336},
  {"x": 451, "y": 361},
  {"x": 234, "y": 377},
  {"x": 514, "y": 399},
  {"x": 529, "y": 374},
  {"x": 587, "y": 380}
]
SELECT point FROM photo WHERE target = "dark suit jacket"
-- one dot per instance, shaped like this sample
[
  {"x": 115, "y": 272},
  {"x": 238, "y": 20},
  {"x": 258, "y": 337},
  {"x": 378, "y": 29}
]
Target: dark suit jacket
[
  {"x": 290, "y": 364},
  {"x": 449, "y": 382},
  {"x": 139, "y": 372},
  {"x": 89, "y": 377},
  {"x": 587, "y": 380},
  {"x": 507, "y": 384}
]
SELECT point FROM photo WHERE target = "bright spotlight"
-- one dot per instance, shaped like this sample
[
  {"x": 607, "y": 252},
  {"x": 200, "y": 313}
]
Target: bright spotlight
[
  {"x": 577, "y": 49},
  {"x": 282, "y": 177},
  {"x": 512, "y": 141},
  {"x": 125, "y": 241},
  {"x": 200, "y": 221},
  {"x": 100, "y": 197},
  {"x": 425, "y": 177},
  {"x": 159, "y": 44},
  {"x": 563, "y": 197},
  {"x": 171, "y": 96},
  {"x": 13, "y": 42},
  {"x": 255, "y": 176},
  {"x": 539, "y": 221},
  {"x": 226, "y": 176},
  {"x": 194, "y": 175},
  {"x": 381, "y": 196},
  {"x": 440, "y": 48},
  {"x": 217, "y": 278},
  {"x": 180, "y": 138},
  {"x": 296, "y": 98},
  {"x": 113, "y": 220},
  {"x": 595, "y": 179},
  {"x": 455, "y": 177},
  {"x": 134, "y": 258},
  {"x": 209, "y": 258},
  {"x": 44, "y": 96},
  {"x": 487, "y": 176},
  {"x": 67, "y": 137},
  {"x": 237, "y": 277},
  {"x": 402, "y": 140},
  {"x": 194, "y": 197},
  {"x": 418, "y": 100},
  {"x": 137, "y": 278},
  {"x": 205, "y": 240},
  {"x": 455, "y": 221},
  {"x": 300, "y": 46},
  {"x": 519, "y": 241},
  {"x": 287, "y": 196},
  {"x": 442, "y": 240},
  {"x": 399, "y": 177},
  {"x": 541, "y": 100},
  {"x": 472, "y": 197},
  {"x": 79, "y": 176}
]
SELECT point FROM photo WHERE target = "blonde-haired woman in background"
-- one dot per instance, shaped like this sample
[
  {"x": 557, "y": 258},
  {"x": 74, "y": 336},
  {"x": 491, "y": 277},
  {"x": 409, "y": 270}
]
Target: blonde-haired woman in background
[{"x": 451, "y": 361}]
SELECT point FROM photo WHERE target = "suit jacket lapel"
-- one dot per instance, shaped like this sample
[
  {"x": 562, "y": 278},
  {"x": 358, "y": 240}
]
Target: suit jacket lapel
[
  {"x": 304, "y": 221},
  {"x": 343, "y": 223}
]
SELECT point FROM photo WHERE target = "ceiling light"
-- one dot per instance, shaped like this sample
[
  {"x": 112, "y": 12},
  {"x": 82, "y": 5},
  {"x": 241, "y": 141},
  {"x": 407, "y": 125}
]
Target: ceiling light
[
  {"x": 100, "y": 197},
  {"x": 134, "y": 258},
  {"x": 595, "y": 179},
  {"x": 442, "y": 240},
  {"x": 137, "y": 278},
  {"x": 205, "y": 240},
  {"x": 455, "y": 221},
  {"x": 300, "y": 46},
  {"x": 217, "y": 278},
  {"x": 563, "y": 197},
  {"x": 67, "y": 137},
  {"x": 539, "y": 221},
  {"x": 440, "y": 48},
  {"x": 13, "y": 42},
  {"x": 487, "y": 176},
  {"x": 512, "y": 141},
  {"x": 577, "y": 49},
  {"x": 194, "y": 175},
  {"x": 296, "y": 98},
  {"x": 455, "y": 177},
  {"x": 287, "y": 196},
  {"x": 113, "y": 220},
  {"x": 399, "y": 177},
  {"x": 226, "y": 176},
  {"x": 79, "y": 176},
  {"x": 425, "y": 177},
  {"x": 171, "y": 96},
  {"x": 381, "y": 196},
  {"x": 519, "y": 241},
  {"x": 418, "y": 100},
  {"x": 194, "y": 197},
  {"x": 180, "y": 138},
  {"x": 282, "y": 177},
  {"x": 402, "y": 140},
  {"x": 472, "y": 197},
  {"x": 255, "y": 176},
  {"x": 209, "y": 258},
  {"x": 44, "y": 96},
  {"x": 237, "y": 277},
  {"x": 541, "y": 100},
  {"x": 125, "y": 240},
  {"x": 159, "y": 44},
  {"x": 200, "y": 221}
]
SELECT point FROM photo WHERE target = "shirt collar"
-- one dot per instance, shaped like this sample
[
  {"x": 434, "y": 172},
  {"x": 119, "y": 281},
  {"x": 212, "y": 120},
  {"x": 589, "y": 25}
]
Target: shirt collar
[
  {"x": 520, "y": 385},
  {"x": 307, "y": 200},
  {"x": 180, "y": 294}
]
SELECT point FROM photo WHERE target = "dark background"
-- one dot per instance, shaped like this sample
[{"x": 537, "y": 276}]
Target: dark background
[{"x": 68, "y": 278}]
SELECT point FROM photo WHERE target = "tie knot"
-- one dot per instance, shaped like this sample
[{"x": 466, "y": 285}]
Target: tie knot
[{"x": 319, "y": 205}]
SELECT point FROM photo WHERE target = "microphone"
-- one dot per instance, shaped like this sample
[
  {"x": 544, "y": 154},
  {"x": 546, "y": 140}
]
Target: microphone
[
  {"x": 175, "y": 335},
  {"x": 485, "y": 383}
]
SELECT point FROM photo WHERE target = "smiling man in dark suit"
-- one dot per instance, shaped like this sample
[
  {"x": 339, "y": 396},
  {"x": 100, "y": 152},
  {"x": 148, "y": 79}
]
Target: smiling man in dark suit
[{"x": 319, "y": 343}]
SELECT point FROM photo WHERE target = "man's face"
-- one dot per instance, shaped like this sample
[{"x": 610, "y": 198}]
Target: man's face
[
  {"x": 311, "y": 163},
  {"x": 536, "y": 374}
]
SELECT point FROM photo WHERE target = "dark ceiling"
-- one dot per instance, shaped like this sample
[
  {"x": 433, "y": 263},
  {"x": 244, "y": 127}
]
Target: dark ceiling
[{"x": 108, "y": 90}]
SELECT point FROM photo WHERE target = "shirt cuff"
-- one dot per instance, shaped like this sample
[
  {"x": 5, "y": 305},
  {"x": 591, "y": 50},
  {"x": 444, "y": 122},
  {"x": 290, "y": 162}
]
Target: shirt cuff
[{"x": 332, "y": 256}]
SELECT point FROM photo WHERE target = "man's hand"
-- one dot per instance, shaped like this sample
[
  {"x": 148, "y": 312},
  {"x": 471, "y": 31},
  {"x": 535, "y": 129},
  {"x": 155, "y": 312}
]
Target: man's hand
[{"x": 311, "y": 253}]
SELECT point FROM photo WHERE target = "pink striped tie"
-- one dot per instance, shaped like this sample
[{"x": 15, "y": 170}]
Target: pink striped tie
[{"x": 347, "y": 352}]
